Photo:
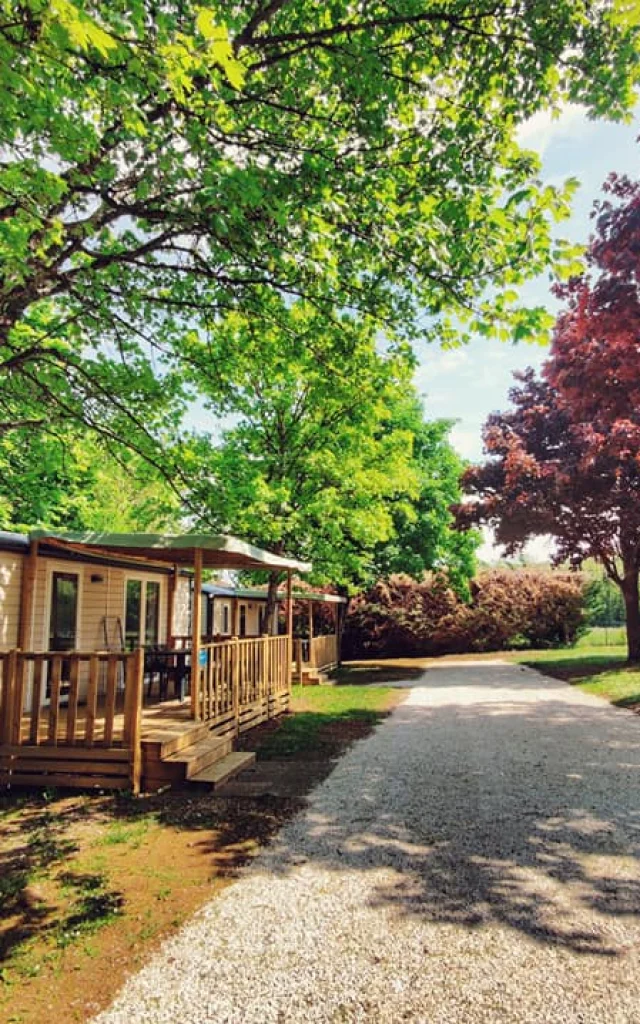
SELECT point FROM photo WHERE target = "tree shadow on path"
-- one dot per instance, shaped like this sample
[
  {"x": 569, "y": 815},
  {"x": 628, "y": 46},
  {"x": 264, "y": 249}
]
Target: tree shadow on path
[{"x": 518, "y": 808}]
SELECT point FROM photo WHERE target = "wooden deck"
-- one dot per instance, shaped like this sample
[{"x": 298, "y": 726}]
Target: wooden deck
[
  {"x": 171, "y": 716},
  {"x": 82, "y": 719}
]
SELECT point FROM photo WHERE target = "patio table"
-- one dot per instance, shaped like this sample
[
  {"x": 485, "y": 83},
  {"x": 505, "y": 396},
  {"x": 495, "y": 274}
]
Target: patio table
[{"x": 168, "y": 663}]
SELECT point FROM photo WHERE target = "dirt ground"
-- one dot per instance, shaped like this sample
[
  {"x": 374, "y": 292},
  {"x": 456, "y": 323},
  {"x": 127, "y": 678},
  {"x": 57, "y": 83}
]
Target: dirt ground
[{"x": 90, "y": 884}]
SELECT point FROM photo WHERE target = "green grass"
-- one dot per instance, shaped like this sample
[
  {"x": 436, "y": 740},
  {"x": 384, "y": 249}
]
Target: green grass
[
  {"x": 132, "y": 835},
  {"x": 621, "y": 687},
  {"x": 580, "y": 659},
  {"x": 321, "y": 710},
  {"x": 603, "y": 636},
  {"x": 602, "y": 671}
]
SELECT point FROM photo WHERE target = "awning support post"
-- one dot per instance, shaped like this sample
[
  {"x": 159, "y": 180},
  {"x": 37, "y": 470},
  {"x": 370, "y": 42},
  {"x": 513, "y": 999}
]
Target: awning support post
[
  {"x": 196, "y": 631},
  {"x": 289, "y": 631}
]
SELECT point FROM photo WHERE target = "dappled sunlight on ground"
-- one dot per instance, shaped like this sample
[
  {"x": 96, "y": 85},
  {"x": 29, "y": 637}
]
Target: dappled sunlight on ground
[{"x": 484, "y": 840}]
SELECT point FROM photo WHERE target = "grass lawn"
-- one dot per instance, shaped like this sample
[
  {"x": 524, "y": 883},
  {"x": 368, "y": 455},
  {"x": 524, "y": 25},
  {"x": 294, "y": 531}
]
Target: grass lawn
[
  {"x": 602, "y": 671},
  {"x": 603, "y": 636},
  {"x": 89, "y": 884},
  {"x": 571, "y": 662},
  {"x": 327, "y": 717}
]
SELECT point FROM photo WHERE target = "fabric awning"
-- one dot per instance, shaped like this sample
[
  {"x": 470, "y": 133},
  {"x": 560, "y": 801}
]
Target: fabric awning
[
  {"x": 255, "y": 594},
  {"x": 218, "y": 550}
]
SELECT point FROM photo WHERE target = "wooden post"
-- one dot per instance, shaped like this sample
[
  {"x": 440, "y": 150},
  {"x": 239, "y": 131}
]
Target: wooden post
[
  {"x": 171, "y": 604},
  {"x": 235, "y": 682},
  {"x": 341, "y": 611},
  {"x": 310, "y": 613},
  {"x": 299, "y": 660},
  {"x": 135, "y": 723},
  {"x": 289, "y": 631},
  {"x": 27, "y": 593},
  {"x": 196, "y": 630},
  {"x": 10, "y": 681}
]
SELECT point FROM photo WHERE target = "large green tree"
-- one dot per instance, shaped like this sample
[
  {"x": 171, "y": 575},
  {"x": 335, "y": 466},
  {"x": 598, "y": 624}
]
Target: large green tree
[
  {"x": 311, "y": 458},
  {"x": 65, "y": 478},
  {"x": 424, "y": 535},
  {"x": 162, "y": 164}
]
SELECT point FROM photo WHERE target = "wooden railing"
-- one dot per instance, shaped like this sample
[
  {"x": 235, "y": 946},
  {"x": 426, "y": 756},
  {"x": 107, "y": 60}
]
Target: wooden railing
[
  {"x": 185, "y": 640},
  {"x": 71, "y": 719},
  {"x": 320, "y": 652},
  {"x": 243, "y": 681},
  {"x": 324, "y": 651}
]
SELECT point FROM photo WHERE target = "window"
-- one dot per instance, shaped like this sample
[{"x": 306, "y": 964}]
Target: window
[
  {"x": 142, "y": 613},
  {"x": 225, "y": 618},
  {"x": 133, "y": 614},
  {"x": 63, "y": 616},
  {"x": 63, "y": 622},
  {"x": 243, "y": 620},
  {"x": 152, "y": 612}
]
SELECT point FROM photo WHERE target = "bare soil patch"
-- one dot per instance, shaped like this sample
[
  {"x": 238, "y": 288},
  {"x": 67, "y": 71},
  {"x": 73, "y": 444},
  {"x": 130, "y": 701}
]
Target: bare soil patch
[{"x": 89, "y": 885}]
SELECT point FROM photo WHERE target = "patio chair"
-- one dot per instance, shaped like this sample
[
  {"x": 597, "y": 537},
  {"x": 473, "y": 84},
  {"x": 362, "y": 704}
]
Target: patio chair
[{"x": 160, "y": 664}]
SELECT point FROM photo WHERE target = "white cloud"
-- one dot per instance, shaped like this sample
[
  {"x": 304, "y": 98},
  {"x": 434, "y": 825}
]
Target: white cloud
[
  {"x": 467, "y": 441},
  {"x": 438, "y": 362},
  {"x": 546, "y": 127},
  {"x": 539, "y": 550}
]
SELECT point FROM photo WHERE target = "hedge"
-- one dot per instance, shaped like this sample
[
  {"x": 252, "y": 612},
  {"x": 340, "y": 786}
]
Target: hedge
[{"x": 508, "y": 608}]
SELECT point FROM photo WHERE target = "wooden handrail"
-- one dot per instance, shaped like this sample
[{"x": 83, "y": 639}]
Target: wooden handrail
[
  {"x": 81, "y": 712},
  {"x": 57, "y": 699},
  {"x": 321, "y": 651}
]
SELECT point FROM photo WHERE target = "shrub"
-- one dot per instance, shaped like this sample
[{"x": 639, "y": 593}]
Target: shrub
[{"x": 507, "y": 608}]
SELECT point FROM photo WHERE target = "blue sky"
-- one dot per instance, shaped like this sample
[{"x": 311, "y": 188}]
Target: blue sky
[{"x": 467, "y": 384}]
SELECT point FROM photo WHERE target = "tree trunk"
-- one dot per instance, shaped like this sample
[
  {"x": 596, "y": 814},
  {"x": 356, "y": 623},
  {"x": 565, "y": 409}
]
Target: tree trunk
[
  {"x": 629, "y": 587},
  {"x": 272, "y": 595}
]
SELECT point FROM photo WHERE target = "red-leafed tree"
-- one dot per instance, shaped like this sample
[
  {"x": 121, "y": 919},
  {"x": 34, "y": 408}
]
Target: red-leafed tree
[{"x": 565, "y": 459}]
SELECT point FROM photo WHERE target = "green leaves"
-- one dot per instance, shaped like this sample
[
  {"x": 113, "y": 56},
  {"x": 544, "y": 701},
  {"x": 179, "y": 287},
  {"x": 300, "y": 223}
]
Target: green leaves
[
  {"x": 625, "y": 13},
  {"x": 83, "y": 31},
  {"x": 210, "y": 171},
  {"x": 221, "y": 50},
  {"x": 324, "y": 451}
]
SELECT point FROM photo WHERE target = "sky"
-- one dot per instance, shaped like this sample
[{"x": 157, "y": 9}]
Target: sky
[{"x": 467, "y": 384}]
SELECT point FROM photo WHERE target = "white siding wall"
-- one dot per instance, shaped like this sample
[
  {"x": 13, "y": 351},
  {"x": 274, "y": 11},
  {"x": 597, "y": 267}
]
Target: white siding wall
[
  {"x": 253, "y": 617},
  {"x": 181, "y": 610},
  {"x": 105, "y": 597},
  {"x": 219, "y": 604},
  {"x": 252, "y": 611},
  {"x": 10, "y": 581}
]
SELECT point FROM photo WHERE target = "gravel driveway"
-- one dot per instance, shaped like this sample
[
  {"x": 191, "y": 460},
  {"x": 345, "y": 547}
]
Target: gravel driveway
[{"x": 476, "y": 859}]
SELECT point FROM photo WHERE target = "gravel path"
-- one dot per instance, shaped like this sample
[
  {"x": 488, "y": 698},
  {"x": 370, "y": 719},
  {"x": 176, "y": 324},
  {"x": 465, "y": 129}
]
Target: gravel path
[{"x": 475, "y": 860}]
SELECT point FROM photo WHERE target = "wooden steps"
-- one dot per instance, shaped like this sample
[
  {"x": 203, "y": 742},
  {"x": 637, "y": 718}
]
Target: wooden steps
[
  {"x": 314, "y": 677},
  {"x": 160, "y": 744},
  {"x": 191, "y": 760},
  {"x": 220, "y": 772},
  {"x": 191, "y": 753}
]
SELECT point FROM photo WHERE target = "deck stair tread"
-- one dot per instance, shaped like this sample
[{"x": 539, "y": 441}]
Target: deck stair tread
[
  {"x": 225, "y": 768},
  {"x": 200, "y": 755},
  {"x": 314, "y": 678},
  {"x": 170, "y": 742}
]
